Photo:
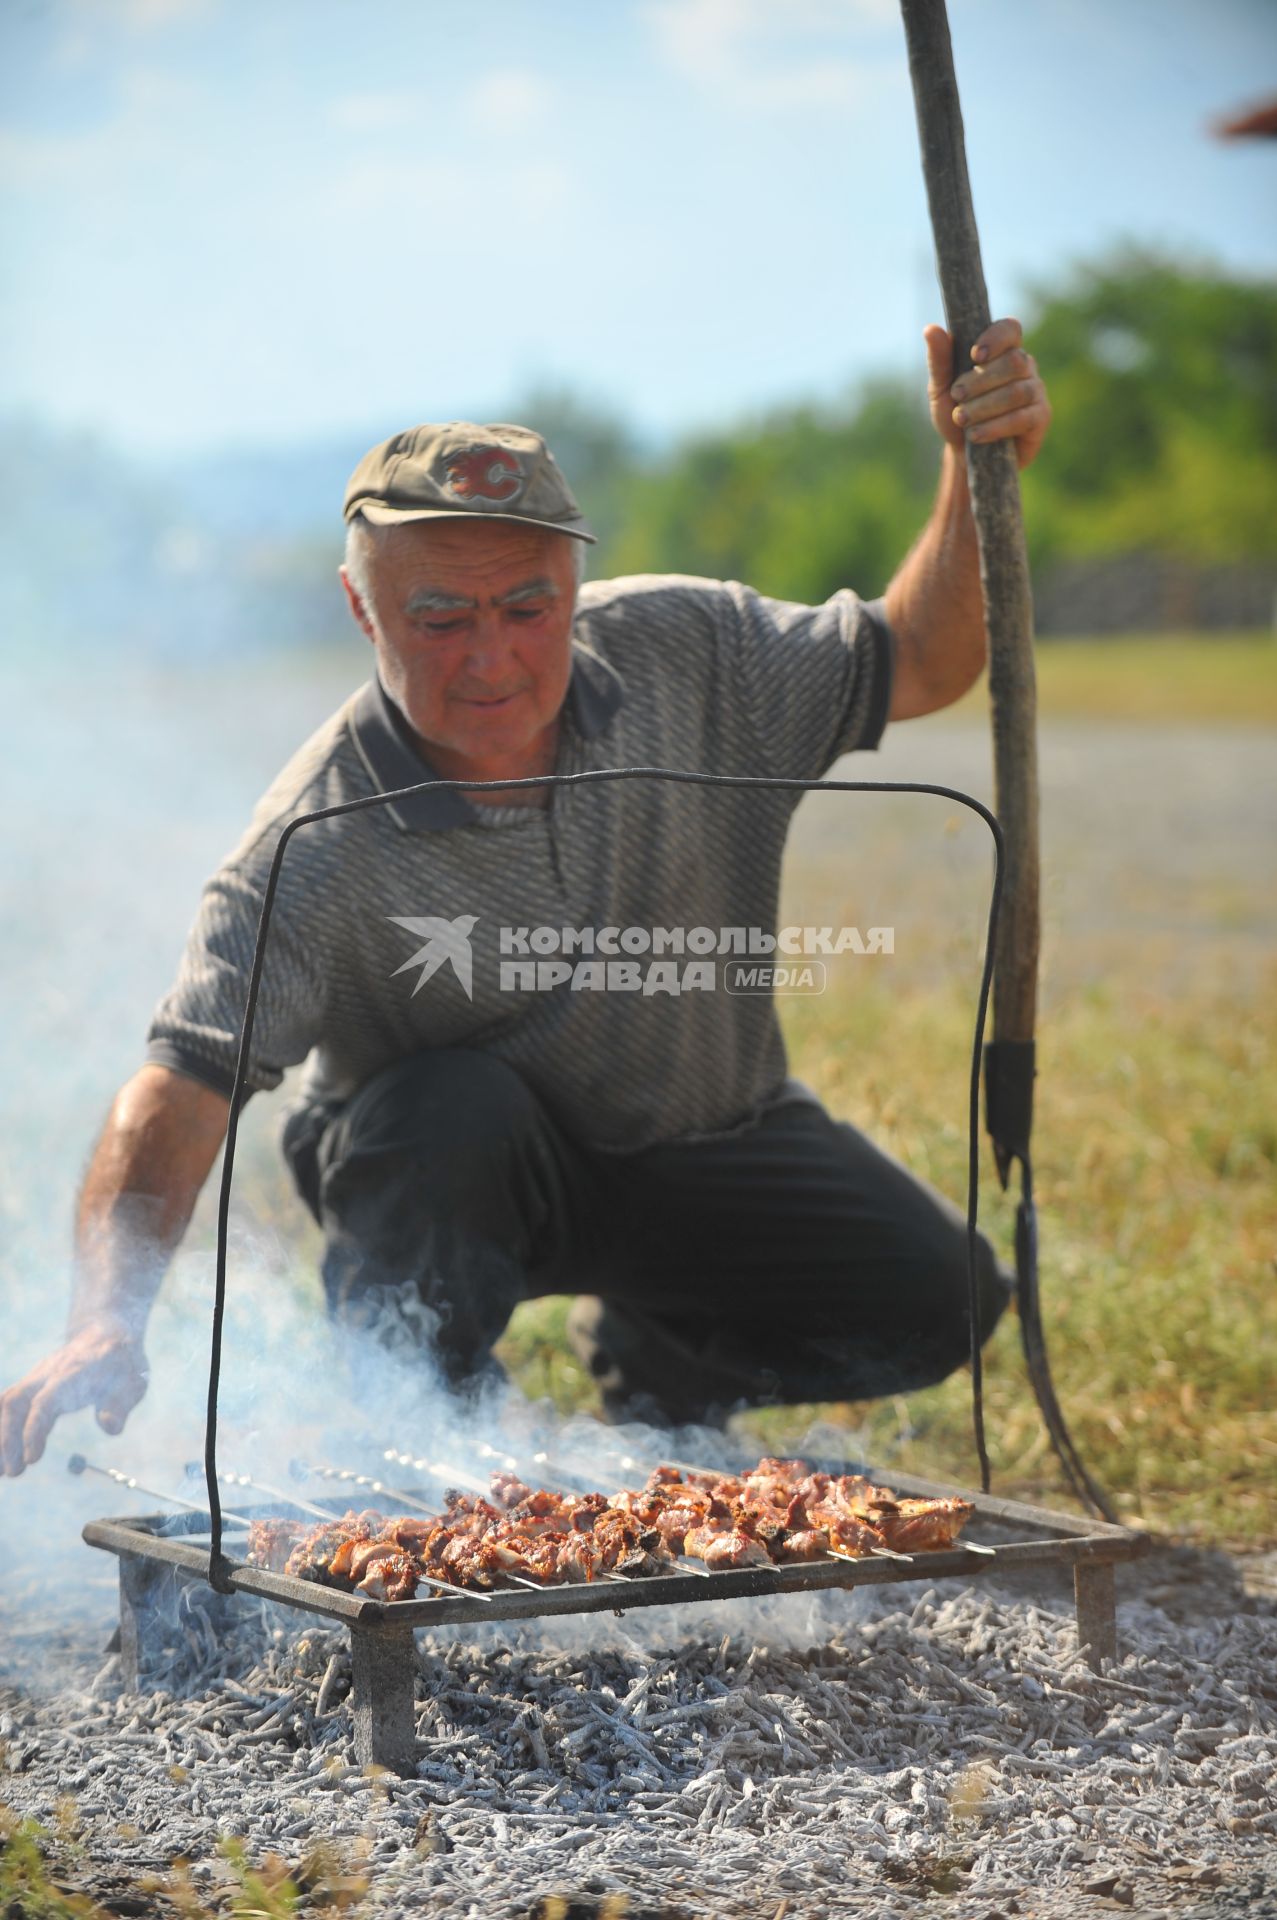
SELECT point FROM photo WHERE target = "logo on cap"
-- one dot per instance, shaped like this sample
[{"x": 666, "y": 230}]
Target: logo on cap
[{"x": 484, "y": 473}]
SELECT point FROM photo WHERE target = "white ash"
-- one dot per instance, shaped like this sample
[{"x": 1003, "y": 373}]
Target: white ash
[{"x": 849, "y": 1760}]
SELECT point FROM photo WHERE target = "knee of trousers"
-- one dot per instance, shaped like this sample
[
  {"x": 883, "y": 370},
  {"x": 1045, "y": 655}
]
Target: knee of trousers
[{"x": 451, "y": 1122}]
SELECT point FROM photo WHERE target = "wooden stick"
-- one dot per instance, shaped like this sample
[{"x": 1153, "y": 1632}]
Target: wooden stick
[{"x": 995, "y": 501}]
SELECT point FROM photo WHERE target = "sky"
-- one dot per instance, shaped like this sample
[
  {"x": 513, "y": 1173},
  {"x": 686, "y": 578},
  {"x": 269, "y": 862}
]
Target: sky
[{"x": 236, "y": 224}]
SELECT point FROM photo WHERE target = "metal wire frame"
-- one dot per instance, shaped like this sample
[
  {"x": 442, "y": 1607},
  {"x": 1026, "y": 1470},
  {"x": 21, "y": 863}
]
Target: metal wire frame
[{"x": 218, "y": 1565}]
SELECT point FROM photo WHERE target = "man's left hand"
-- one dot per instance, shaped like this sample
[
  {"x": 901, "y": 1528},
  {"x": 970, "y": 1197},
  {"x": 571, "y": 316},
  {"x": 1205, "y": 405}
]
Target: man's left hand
[{"x": 1000, "y": 396}]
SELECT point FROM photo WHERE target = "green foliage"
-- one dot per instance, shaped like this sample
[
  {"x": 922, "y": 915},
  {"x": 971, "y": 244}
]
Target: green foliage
[
  {"x": 800, "y": 505},
  {"x": 27, "y": 1891},
  {"x": 29, "y": 1888},
  {"x": 1164, "y": 385}
]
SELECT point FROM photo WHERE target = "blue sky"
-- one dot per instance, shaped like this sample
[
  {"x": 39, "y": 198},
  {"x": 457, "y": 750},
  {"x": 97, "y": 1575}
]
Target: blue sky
[{"x": 245, "y": 221}]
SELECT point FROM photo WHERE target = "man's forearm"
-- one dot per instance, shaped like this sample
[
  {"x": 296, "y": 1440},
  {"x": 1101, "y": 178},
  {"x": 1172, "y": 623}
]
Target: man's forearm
[
  {"x": 157, "y": 1147},
  {"x": 138, "y": 1196},
  {"x": 934, "y": 604}
]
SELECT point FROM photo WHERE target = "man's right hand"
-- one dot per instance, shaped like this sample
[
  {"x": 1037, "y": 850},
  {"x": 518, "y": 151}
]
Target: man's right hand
[
  {"x": 100, "y": 1366},
  {"x": 160, "y": 1139}
]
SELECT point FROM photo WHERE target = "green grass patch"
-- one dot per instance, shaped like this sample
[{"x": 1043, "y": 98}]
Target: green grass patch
[
  {"x": 1226, "y": 678},
  {"x": 1156, "y": 1165},
  {"x": 40, "y": 1869}
]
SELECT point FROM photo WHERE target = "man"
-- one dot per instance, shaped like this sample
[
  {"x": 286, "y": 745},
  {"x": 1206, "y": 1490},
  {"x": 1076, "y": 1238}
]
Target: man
[{"x": 477, "y": 1125}]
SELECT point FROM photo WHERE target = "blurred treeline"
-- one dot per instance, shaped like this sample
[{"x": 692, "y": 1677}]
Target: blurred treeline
[
  {"x": 1164, "y": 387},
  {"x": 1164, "y": 447}
]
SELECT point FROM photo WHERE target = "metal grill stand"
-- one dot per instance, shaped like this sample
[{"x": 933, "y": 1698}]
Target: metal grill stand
[{"x": 160, "y": 1554}]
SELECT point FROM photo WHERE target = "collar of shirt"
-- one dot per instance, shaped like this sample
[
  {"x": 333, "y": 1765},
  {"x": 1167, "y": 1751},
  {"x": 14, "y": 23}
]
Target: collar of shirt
[{"x": 395, "y": 756}]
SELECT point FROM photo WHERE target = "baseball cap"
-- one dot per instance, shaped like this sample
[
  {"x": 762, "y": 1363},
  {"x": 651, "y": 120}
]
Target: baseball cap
[{"x": 459, "y": 470}]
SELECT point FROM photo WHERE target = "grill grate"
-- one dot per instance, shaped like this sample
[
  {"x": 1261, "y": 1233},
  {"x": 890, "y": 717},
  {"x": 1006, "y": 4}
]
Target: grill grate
[{"x": 158, "y": 1553}]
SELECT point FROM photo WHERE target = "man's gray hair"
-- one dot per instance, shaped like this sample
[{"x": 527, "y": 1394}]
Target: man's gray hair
[{"x": 361, "y": 545}]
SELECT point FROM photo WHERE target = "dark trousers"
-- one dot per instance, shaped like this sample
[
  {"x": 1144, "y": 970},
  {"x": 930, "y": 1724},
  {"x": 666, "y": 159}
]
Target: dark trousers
[{"x": 789, "y": 1261}]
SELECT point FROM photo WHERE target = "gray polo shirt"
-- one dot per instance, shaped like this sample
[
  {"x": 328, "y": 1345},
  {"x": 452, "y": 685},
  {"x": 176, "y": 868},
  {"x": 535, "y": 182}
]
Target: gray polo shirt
[{"x": 569, "y": 941}]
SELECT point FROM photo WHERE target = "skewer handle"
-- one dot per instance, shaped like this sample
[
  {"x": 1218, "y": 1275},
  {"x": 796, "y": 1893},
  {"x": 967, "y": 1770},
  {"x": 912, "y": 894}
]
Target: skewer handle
[{"x": 77, "y": 1464}]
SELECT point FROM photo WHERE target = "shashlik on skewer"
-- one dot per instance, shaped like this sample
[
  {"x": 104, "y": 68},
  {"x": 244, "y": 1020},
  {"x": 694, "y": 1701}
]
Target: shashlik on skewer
[{"x": 778, "y": 1513}]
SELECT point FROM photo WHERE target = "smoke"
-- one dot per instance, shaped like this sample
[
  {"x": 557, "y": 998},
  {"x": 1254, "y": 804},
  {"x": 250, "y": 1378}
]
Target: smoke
[
  {"x": 298, "y": 1394},
  {"x": 109, "y": 840}
]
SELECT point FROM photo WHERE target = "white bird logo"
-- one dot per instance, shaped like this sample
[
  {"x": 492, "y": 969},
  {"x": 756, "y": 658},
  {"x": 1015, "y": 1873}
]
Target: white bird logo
[{"x": 446, "y": 940}]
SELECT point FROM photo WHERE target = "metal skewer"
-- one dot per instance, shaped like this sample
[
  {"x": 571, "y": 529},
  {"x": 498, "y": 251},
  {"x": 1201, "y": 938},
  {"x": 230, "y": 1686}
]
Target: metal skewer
[
  {"x": 77, "y": 1464},
  {"x": 277, "y": 1493},
  {"x": 870, "y": 1553},
  {"x": 974, "y": 1546},
  {"x": 440, "y": 1470},
  {"x": 348, "y": 1477}
]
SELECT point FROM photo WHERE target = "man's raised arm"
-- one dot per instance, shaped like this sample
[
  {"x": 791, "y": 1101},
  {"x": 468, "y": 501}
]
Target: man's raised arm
[{"x": 159, "y": 1143}]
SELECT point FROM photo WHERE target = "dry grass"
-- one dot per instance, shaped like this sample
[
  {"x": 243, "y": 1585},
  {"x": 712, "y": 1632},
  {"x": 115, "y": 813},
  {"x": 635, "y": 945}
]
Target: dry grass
[{"x": 1158, "y": 678}]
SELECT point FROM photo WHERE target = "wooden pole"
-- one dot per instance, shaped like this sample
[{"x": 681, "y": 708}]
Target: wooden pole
[{"x": 995, "y": 496}]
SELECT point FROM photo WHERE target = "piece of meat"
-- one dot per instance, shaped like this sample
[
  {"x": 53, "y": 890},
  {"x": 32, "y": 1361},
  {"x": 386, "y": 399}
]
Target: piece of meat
[
  {"x": 920, "y": 1525},
  {"x": 583, "y": 1510},
  {"x": 535, "y": 1556},
  {"x": 270, "y": 1542},
  {"x": 723, "y": 1548},
  {"x": 662, "y": 1477},
  {"x": 771, "y": 1468},
  {"x": 625, "y": 1545},
  {"x": 313, "y": 1555},
  {"x": 383, "y": 1572},
  {"x": 802, "y": 1543},
  {"x": 508, "y": 1489},
  {"x": 845, "y": 1530}
]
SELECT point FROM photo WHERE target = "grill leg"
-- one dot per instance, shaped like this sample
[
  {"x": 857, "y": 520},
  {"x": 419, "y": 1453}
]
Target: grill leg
[
  {"x": 1096, "y": 1612},
  {"x": 150, "y": 1597},
  {"x": 147, "y": 1588},
  {"x": 384, "y": 1671}
]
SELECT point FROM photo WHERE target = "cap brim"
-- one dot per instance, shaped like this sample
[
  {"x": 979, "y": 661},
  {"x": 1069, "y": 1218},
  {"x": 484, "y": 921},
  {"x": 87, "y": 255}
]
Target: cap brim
[{"x": 383, "y": 516}]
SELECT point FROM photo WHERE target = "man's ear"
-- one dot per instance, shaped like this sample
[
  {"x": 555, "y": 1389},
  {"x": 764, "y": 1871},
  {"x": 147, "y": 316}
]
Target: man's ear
[{"x": 358, "y": 611}]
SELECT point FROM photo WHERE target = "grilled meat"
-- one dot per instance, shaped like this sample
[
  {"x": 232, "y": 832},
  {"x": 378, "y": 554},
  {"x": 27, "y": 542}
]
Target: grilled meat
[
  {"x": 920, "y": 1526},
  {"x": 778, "y": 1513},
  {"x": 725, "y": 1547},
  {"x": 271, "y": 1541},
  {"x": 312, "y": 1557}
]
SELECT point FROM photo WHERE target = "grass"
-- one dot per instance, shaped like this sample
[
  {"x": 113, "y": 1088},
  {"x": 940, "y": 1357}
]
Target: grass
[
  {"x": 39, "y": 1869},
  {"x": 1159, "y": 678}
]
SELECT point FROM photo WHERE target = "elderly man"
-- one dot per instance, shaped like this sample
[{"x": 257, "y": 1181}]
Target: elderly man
[{"x": 480, "y": 1123}]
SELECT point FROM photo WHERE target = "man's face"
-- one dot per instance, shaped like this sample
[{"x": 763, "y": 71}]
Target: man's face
[{"x": 472, "y": 623}]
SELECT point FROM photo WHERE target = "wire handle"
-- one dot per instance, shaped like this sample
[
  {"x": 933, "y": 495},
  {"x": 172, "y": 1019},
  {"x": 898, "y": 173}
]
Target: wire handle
[{"x": 219, "y": 1568}]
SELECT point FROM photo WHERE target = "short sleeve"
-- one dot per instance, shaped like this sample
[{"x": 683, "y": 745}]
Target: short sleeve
[
  {"x": 196, "y": 1026},
  {"x": 816, "y": 681}
]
